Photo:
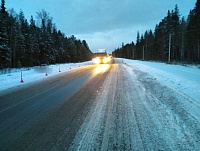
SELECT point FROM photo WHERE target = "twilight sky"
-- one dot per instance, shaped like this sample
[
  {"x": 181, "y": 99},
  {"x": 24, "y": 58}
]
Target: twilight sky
[{"x": 103, "y": 23}]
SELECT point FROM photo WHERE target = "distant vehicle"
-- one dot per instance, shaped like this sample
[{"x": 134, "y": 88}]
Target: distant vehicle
[{"x": 101, "y": 57}]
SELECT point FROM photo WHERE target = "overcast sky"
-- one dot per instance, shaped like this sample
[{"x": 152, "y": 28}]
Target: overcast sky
[{"x": 103, "y": 23}]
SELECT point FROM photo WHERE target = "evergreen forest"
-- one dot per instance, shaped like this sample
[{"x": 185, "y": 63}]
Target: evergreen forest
[
  {"x": 175, "y": 39},
  {"x": 24, "y": 43}
]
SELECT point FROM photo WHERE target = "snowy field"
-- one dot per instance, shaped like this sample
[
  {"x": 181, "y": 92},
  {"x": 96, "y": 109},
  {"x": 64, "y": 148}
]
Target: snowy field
[{"x": 184, "y": 79}]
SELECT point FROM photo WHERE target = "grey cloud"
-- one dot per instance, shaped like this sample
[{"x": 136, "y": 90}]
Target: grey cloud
[{"x": 92, "y": 16}]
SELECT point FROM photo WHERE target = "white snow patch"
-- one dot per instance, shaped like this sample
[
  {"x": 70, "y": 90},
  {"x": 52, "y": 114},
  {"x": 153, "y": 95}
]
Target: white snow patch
[{"x": 184, "y": 79}]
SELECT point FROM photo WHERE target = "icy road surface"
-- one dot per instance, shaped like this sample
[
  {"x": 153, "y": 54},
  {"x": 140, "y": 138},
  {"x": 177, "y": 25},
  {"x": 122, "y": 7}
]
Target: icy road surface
[
  {"x": 132, "y": 111},
  {"x": 107, "y": 107}
]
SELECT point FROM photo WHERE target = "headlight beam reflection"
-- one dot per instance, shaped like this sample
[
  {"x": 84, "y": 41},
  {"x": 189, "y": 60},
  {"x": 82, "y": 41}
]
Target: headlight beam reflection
[{"x": 101, "y": 68}]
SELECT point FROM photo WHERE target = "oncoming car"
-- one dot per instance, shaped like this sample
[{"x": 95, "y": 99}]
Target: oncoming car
[{"x": 101, "y": 57}]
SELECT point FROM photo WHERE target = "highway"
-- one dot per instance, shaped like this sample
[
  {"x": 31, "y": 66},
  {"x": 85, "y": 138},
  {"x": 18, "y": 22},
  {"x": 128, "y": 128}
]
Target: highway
[
  {"x": 98, "y": 107},
  {"x": 34, "y": 117}
]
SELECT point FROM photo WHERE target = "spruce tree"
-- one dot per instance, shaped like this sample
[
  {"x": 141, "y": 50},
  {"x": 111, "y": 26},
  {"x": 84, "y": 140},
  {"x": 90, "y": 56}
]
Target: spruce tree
[
  {"x": 5, "y": 53},
  {"x": 197, "y": 18},
  {"x": 193, "y": 35},
  {"x": 34, "y": 42}
]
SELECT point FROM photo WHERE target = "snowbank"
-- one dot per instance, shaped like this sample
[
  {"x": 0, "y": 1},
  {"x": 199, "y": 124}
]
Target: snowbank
[
  {"x": 184, "y": 79},
  {"x": 31, "y": 75}
]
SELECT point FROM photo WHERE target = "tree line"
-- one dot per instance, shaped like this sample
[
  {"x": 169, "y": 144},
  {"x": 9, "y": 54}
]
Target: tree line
[
  {"x": 25, "y": 44},
  {"x": 175, "y": 39}
]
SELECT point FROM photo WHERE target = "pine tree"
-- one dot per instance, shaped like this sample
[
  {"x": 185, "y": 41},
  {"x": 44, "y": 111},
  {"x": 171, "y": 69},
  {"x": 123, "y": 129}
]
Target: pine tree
[
  {"x": 12, "y": 32},
  {"x": 33, "y": 45},
  {"x": 137, "y": 52},
  {"x": 5, "y": 52},
  {"x": 176, "y": 34},
  {"x": 193, "y": 35},
  {"x": 197, "y": 19},
  {"x": 183, "y": 24},
  {"x": 34, "y": 42},
  {"x": 3, "y": 9}
]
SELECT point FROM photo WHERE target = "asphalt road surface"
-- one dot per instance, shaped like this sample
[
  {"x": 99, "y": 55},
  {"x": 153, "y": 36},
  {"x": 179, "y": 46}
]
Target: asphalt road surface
[{"x": 98, "y": 107}]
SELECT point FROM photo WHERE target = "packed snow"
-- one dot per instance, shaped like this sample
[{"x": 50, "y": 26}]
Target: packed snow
[{"x": 138, "y": 108}]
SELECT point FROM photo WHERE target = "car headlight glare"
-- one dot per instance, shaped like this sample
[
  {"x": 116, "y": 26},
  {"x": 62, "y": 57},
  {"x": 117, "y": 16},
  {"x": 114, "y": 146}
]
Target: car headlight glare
[
  {"x": 105, "y": 60},
  {"x": 97, "y": 60}
]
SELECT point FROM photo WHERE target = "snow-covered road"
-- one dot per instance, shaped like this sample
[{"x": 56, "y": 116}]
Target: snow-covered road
[
  {"x": 129, "y": 105},
  {"x": 134, "y": 111}
]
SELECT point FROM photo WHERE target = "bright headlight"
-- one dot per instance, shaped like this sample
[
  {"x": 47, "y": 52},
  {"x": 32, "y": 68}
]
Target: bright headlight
[
  {"x": 97, "y": 60},
  {"x": 105, "y": 60},
  {"x": 108, "y": 58}
]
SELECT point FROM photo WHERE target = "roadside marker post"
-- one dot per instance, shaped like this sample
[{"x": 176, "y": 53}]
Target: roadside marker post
[
  {"x": 59, "y": 68},
  {"x": 22, "y": 81}
]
